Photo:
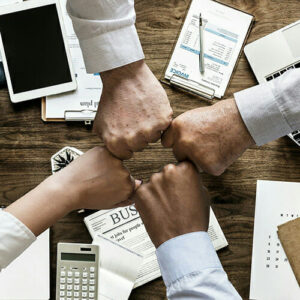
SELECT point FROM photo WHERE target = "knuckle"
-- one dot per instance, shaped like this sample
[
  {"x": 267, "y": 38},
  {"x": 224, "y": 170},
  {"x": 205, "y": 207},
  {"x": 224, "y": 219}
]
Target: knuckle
[
  {"x": 155, "y": 178},
  {"x": 169, "y": 169}
]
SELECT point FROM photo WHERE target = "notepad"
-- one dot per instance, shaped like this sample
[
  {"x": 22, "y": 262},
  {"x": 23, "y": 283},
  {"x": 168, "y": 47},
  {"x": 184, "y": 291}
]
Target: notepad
[
  {"x": 225, "y": 32},
  {"x": 271, "y": 274},
  {"x": 28, "y": 276}
]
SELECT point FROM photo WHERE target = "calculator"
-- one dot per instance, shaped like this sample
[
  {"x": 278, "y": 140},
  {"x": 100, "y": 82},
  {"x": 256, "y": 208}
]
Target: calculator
[{"x": 77, "y": 271}]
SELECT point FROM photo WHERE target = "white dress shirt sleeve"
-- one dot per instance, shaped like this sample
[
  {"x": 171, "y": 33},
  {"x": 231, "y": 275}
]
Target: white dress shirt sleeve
[
  {"x": 106, "y": 33},
  {"x": 191, "y": 269},
  {"x": 271, "y": 110},
  {"x": 15, "y": 237}
]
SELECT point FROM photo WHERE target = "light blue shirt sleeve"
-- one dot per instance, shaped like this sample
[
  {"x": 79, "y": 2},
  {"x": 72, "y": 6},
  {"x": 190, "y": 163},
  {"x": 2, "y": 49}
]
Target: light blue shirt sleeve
[
  {"x": 271, "y": 110},
  {"x": 191, "y": 269}
]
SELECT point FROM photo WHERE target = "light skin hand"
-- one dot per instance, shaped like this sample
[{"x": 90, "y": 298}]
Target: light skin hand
[
  {"x": 211, "y": 137},
  {"x": 96, "y": 180},
  {"x": 173, "y": 203},
  {"x": 133, "y": 111}
]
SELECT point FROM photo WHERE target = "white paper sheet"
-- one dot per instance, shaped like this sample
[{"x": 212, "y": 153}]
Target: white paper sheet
[
  {"x": 124, "y": 226},
  {"x": 87, "y": 95},
  {"x": 119, "y": 268},
  {"x": 272, "y": 277},
  {"x": 28, "y": 276},
  {"x": 224, "y": 35}
]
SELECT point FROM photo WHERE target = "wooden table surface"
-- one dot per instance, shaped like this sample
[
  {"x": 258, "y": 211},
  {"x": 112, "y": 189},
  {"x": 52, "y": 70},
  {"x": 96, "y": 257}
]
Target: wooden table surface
[{"x": 26, "y": 143}]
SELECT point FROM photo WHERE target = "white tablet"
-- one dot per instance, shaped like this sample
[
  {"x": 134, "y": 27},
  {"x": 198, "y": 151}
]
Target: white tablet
[{"x": 34, "y": 50}]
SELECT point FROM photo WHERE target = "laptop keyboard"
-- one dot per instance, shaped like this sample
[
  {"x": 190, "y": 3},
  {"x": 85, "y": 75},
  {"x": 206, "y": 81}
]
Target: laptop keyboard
[
  {"x": 295, "y": 136},
  {"x": 279, "y": 73}
]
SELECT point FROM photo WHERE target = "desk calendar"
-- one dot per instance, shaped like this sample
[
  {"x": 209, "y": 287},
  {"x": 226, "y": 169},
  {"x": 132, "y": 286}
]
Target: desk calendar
[{"x": 271, "y": 273}]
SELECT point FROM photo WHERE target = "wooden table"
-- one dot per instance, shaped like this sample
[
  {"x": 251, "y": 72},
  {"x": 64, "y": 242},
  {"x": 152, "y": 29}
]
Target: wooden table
[{"x": 26, "y": 143}]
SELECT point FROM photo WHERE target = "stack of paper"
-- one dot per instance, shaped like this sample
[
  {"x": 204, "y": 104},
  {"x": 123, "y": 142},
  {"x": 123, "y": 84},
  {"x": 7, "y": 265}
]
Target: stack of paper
[
  {"x": 27, "y": 277},
  {"x": 119, "y": 268},
  {"x": 271, "y": 274}
]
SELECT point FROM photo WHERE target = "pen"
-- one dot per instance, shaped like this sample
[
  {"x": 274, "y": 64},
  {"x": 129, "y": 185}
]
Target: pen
[{"x": 201, "y": 53}]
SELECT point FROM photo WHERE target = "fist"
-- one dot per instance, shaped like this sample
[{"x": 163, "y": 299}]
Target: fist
[
  {"x": 211, "y": 137},
  {"x": 133, "y": 111},
  {"x": 95, "y": 180},
  {"x": 173, "y": 203}
]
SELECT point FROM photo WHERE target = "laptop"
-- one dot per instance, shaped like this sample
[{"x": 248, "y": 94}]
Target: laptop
[{"x": 273, "y": 55}]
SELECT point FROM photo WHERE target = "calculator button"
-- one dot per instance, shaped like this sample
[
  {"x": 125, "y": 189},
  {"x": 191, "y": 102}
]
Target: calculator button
[
  {"x": 92, "y": 288},
  {"x": 84, "y": 281},
  {"x": 77, "y": 274},
  {"x": 76, "y": 288},
  {"x": 76, "y": 298},
  {"x": 70, "y": 274},
  {"x": 62, "y": 286},
  {"x": 91, "y": 295},
  {"x": 84, "y": 294},
  {"x": 63, "y": 280},
  {"x": 92, "y": 281},
  {"x": 69, "y": 287},
  {"x": 70, "y": 280},
  {"x": 69, "y": 298},
  {"x": 61, "y": 298},
  {"x": 69, "y": 294},
  {"x": 84, "y": 299},
  {"x": 84, "y": 288},
  {"x": 92, "y": 269},
  {"x": 84, "y": 274},
  {"x": 62, "y": 273},
  {"x": 92, "y": 275},
  {"x": 76, "y": 294},
  {"x": 62, "y": 293},
  {"x": 76, "y": 280}
]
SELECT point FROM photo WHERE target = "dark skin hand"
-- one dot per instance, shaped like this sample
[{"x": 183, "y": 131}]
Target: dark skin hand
[
  {"x": 211, "y": 137},
  {"x": 173, "y": 203}
]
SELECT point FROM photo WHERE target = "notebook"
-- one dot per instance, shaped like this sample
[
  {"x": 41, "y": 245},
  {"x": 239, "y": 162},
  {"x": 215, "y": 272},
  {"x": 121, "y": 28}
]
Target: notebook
[
  {"x": 225, "y": 32},
  {"x": 272, "y": 277}
]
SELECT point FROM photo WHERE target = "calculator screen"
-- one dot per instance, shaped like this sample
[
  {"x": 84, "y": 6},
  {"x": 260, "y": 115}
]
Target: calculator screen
[{"x": 78, "y": 257}]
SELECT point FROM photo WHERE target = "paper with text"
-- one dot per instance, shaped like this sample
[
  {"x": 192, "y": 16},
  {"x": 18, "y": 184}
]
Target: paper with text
[
  {"x": 124, "y": 225},
  {"x": 272, "y": 277},
  {"x": 87, "y": 95},
  {"x": 224, "y": 35}
]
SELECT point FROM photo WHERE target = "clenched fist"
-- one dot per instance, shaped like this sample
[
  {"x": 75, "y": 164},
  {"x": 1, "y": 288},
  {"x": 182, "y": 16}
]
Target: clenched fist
[
  {"x": 173, "y": 203},
  {"x": 133, "y": 111},
  {"x": 212, "y": 137}
]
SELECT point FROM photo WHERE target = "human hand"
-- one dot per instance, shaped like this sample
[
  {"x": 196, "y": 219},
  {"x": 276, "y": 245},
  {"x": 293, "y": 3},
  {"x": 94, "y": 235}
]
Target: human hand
[
  {"x": 211, "y": 137},
  {"x": 95, "y": 180},
  {"x": 133, "y": 111},
  {"x": 173, "y": 203}
]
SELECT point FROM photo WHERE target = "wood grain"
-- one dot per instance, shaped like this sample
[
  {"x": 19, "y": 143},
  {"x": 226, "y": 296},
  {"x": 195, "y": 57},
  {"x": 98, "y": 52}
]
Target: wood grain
[{"x": 26, "y": 143}]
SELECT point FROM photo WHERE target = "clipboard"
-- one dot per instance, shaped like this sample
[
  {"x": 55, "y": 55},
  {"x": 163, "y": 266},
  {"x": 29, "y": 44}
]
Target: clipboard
[
  {"x": 193, "y": 87},
  {"x": 86, "y": 115}
]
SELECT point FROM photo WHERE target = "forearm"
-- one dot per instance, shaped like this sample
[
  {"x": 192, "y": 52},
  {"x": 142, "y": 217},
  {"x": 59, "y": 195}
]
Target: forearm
[
  {"x": 191, "y": 269},
  {"x": 271, "y": 110},
  {"x": 106, "y": 32},
  {"x": 42, "y": 206}
]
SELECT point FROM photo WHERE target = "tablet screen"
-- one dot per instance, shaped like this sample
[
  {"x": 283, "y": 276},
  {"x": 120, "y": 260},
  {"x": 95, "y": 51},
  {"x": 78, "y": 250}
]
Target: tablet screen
[{"x": 34, "y": 48}]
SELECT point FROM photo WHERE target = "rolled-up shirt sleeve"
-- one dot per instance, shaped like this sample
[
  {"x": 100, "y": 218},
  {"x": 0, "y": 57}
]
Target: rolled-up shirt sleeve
[
  {"x": 106, "y": 32},
  {"x": 271, "y": 110},
  {"x": 15, "y": 237}
]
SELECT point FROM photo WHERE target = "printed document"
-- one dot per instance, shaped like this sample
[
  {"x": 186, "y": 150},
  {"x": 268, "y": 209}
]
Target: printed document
[
  {"x": 272, "y": 277},
  {"x": 225, "y": 30},
  {"x": 124, "y": 226},
  {"x": 87, "y": 95},
  {"x": 118, "y": 270}
]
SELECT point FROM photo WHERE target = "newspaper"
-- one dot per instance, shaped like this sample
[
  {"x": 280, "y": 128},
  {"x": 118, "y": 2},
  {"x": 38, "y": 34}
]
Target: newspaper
[{"x": 124, "y": 226}]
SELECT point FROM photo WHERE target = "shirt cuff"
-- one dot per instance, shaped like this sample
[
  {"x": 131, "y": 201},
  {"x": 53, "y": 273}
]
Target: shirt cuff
[
  {"x": 260, "y": 112},
  {"x": 111, "y": 50},
  {"x": 186, "y": 254},
  {"x": 15, "y": 238}
]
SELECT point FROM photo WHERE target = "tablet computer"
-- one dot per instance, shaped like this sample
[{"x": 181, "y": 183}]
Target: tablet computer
[{"x": 34, "y": 50}]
